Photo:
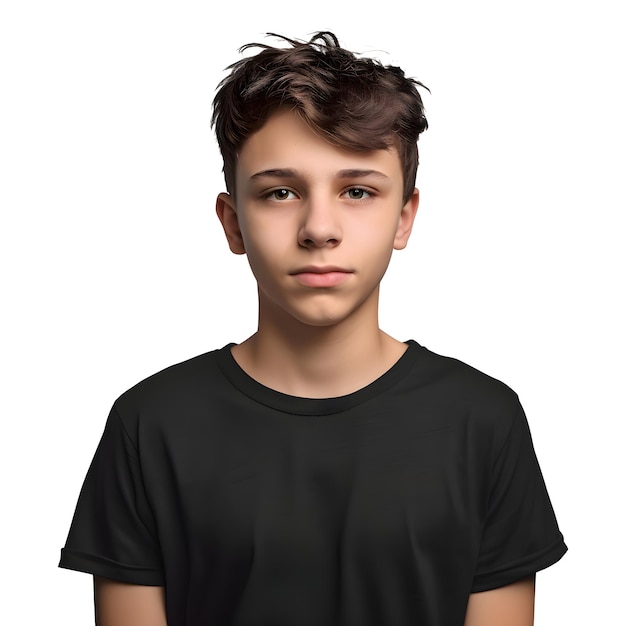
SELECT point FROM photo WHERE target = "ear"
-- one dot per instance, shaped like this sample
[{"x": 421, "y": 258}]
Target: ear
[
  {"x": 227, "y": 212},
  {"x": 405, "y": 221}
]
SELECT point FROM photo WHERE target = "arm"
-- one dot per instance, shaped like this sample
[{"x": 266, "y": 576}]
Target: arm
[
  {"x": 123, "y": 604},
  {"x": 513, "y": 605}
]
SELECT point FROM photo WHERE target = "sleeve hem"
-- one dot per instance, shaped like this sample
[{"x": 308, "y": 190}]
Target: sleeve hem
[
  {"x": 512, "y": 572},
  {"x": 99, "y": 566}
]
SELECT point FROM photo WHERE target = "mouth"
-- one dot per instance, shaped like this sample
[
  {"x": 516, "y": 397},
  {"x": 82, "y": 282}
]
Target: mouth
[{"x": 321, "y": 276}]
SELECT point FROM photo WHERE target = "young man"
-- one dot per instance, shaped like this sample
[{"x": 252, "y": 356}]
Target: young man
[{"x": 321, "y": 472}]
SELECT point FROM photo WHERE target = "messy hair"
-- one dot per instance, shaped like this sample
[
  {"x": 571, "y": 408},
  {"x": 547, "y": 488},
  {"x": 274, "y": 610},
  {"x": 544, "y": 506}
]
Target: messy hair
[{"x": 355, "y": 103}]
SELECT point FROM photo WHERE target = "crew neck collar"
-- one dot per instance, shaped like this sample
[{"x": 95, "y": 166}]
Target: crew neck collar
[{"x": 314, "y": 406}]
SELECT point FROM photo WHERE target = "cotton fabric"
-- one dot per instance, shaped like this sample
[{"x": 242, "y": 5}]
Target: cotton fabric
[{"x": 387, "y": 506}]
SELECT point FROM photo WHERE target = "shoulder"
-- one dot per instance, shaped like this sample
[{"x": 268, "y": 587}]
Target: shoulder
[
  {"x": 178, "y": 388},
  {"x": 456, "y": 390},
  {"x": 445, "y": 373}
]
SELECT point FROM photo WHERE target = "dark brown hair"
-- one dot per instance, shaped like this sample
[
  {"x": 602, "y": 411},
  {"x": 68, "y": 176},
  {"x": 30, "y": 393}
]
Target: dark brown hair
[{"x": 353, "y": 102}]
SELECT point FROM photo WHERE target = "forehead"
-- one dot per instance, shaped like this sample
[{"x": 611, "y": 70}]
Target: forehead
[{"x": 285, "y": 141}]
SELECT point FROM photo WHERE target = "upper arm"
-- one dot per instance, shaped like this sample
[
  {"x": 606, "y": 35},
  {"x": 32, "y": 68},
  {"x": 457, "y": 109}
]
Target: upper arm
[
  {"x": 513, "y": 605},
  {"x": 124, "y": 604}
]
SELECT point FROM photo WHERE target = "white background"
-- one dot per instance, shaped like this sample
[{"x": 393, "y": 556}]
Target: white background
[{"x": 114, "y": 266}]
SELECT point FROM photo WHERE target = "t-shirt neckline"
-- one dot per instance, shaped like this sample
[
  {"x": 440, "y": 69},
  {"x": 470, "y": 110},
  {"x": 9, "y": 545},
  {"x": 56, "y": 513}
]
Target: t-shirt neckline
[{"x": 297, "y": 405}]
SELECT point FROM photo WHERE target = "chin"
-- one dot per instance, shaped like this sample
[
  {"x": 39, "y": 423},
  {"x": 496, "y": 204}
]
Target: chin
[
  {"x": 319, "y": 313},
  {"x": 321, "y": 319}
]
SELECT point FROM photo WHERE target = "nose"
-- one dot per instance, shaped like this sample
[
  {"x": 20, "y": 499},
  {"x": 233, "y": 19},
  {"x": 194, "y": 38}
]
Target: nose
[{"x": 320, "y": 226}]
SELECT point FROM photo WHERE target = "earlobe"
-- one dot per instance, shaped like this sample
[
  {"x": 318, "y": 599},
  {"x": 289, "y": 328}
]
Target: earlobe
[
  {"x": 406, "y": 220},
  {"x": 227, "y": 213}
]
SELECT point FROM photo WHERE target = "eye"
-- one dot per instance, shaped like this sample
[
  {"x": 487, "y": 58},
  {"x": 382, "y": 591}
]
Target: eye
[
  {"x": 358, "y": 193},
  {"x": 280, "y": 194}
]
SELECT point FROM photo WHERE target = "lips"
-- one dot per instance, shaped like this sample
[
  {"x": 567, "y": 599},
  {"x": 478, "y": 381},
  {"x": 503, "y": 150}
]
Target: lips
[{"x": 321, "y": 276}]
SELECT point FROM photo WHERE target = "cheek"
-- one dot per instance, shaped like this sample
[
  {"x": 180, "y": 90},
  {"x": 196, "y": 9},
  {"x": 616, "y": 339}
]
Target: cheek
[
  {"x": 266, "y": 250},
  {"x": 378, "y": 234},
  {"x": 271, "y": 235},
  {"x": 257, "y": 237}
]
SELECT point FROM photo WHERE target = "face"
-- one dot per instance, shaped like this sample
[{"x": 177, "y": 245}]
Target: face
[{"x": 317, "y": 223}]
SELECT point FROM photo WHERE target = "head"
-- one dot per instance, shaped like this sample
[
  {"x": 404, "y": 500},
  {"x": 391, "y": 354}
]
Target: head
[{"x": 354, "y": 103}]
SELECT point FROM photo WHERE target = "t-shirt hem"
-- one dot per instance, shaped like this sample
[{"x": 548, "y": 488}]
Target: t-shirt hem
[
  {"x": 100, "y": 566},
  {"x": 518, "y": 570}
]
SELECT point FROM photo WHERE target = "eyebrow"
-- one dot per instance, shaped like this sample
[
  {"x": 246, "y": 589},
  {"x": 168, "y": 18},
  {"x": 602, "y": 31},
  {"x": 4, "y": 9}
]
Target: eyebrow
[
  {"x": 275, "y": 173},
  {"x": 291, "y": 173}
]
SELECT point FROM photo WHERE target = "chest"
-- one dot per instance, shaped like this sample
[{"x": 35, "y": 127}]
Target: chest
[{"x": 309, "y": 490}]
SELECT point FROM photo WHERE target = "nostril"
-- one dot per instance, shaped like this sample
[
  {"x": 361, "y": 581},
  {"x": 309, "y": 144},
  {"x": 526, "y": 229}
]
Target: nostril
[{"x": 308, "y": 242}]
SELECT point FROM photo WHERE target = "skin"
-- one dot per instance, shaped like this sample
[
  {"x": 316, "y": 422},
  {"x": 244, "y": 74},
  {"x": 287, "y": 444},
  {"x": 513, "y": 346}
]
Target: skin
[
  {"x": 123, "y": 604},
  {"x": 512, "y": 605},
  {"x": 302, "y": 203},
  {"x": 303, "y": 208}
]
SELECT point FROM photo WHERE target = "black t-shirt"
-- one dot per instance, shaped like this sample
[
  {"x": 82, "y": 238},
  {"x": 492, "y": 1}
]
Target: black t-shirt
[{"x": 387, "y": 506}]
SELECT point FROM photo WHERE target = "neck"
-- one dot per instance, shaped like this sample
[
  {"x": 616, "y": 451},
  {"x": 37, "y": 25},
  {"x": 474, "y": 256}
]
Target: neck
[{"x": 318, "y": 361}]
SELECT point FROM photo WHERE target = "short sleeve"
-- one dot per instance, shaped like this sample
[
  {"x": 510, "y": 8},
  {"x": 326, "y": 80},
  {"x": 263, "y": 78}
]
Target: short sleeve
[
  {"x": 521, "y": 535},
  {"x": 113, "y": 532}
]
